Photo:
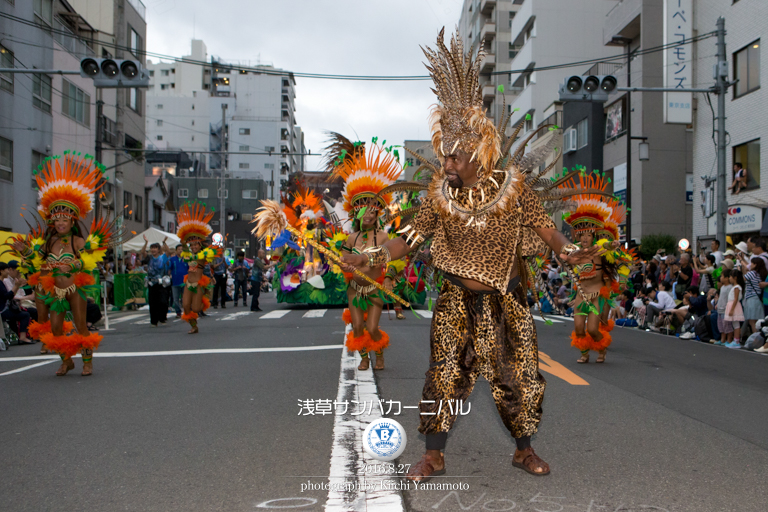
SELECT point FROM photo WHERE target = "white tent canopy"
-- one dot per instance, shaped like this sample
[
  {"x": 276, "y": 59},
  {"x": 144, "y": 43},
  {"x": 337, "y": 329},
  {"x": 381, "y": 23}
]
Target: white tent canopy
[{"x": 153, "y": 236}]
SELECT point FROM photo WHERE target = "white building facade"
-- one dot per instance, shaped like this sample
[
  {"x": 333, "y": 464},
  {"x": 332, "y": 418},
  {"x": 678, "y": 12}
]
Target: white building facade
[{"x": 746, "y": 24}]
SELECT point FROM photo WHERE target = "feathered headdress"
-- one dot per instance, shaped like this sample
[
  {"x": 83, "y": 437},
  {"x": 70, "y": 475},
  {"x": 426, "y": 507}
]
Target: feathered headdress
[
  {"x": 194, "y": 222},
  {"x": 304, "y": 206},
  {"x": 617, "y": 217},
  {"x": 458, "y": 120},
  {"x": 67, "y": 185},
  {"x": 365, "y": 173},
  {"x": 591, "y": 209}
]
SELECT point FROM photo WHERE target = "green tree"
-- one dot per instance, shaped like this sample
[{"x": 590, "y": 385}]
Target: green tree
[{"x": 649, "y": 244}]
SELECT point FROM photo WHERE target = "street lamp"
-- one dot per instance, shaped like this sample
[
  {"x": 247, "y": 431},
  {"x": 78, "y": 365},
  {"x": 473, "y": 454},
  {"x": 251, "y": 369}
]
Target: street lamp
[{"x": 644, "y": 151}]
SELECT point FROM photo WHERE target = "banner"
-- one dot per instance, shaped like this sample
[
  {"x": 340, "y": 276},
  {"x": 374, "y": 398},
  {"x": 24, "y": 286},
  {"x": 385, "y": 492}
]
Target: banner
[{"x": 678, "y": 60}]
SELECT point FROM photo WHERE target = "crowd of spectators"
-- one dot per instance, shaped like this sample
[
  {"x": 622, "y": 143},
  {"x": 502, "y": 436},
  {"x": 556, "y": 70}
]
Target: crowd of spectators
[{"x": 713, "y": 296}]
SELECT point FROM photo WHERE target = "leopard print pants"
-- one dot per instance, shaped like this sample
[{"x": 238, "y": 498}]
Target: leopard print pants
[{"x": 484, "y": 334}]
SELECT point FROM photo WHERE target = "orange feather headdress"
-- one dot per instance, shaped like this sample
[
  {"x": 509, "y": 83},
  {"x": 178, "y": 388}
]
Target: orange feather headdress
[
  {"x": 591, "y": 209},
  {"x": 617, "y": 217},
  {"x": 365, "y": 174},
  {"x": 304, "y": 205},
  {"x": 66, "y": 186},
  {"x": 458, "y": 121},
  {"x": 194, "y": 222}
]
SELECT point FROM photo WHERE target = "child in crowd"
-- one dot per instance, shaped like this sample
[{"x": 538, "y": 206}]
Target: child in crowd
[
  {"x": 725, "y": 328},
  {"x": 733, "y": 310}
]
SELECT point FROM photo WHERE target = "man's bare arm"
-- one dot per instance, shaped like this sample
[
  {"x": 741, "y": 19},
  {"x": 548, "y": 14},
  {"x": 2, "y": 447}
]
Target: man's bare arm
[{"x": 557, "y": 241}]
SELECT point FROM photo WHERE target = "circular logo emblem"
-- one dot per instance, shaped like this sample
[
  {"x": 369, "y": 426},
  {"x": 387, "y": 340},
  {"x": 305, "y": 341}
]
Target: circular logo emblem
[{"x": 384, "y": 439}]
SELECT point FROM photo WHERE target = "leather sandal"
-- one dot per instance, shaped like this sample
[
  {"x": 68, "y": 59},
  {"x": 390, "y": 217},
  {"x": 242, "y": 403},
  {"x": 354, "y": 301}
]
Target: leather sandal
[
  {"x": 528, "y": 461},
  {"x": 379, "y": 362},
  {"x": 425, "y": 469},
  {"x": 584, "y": 358},
  {"x": 364, "y": 363},
  {"x": 193, "y": 330},
  {"x": 66, "y": 365},
  {"x": 399, "y": 315},
  {"x": 87, "y": 368},
  {"x": 601, "y": 356}
]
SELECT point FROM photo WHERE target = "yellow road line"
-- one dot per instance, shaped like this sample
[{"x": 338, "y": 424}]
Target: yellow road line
[{"x": 549, "y": 365}]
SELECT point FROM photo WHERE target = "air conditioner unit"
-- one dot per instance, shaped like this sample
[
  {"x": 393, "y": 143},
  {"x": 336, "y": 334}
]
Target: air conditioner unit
[
  {"x": 570, "y": 140},
  {"x": 227, "y": 175}
]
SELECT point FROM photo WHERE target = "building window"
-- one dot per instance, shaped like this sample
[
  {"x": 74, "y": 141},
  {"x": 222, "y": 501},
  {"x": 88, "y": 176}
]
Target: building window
[
  {"x": 138, "y": 208},
  {"x": 193, "y": 122},
  {"x": 746, "y": 69},
  {"x": 127, "y": 200},
  {"x": 163, "y": 87},
  {"x": 6, "y": 61},
  {"x": 173, "y": 86},
  {"x": 202, "y": 193},
  {"x": 250, "y": 194},
  {"x": 183, "y": 193},
  {"x": 159, "y": 137},
  {"x": 248, "y": 217},
  {"x": 133, "y": 99},
  {"x": 159, "y": 122},
  {"x": 193, "y": 106},
  {"x": 269, "y": 166},
  {"x": 245, "y": 148},
  {"x": 6, "y": 159},
  {"x": 226, "y": 194},
  {"x": 193, "y": 138},
  {"x": 41, "y": 92},
  {"x": 245, "y": 131},
  {"x": 135, "y": 42},
  {"x": 76, "y": 103},
  {"x": 159, "y": 106},
  {"x": 748, "y": 155},
  {"x": 244, "y": 165},
  {"x": 164, "y": 72},
  {"x": 511, "y": 17},
  {"x": 194, "y": 95},
  {"x": 37, "y": 160},
  {"x": 44, "y": 11},
  {"x": 157, "y": 213},
  {"x": 582, "y": 135},
  {"x": 151, "y": 72}
]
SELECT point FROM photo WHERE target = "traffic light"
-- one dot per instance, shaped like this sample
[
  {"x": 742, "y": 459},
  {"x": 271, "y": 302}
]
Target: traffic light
[
  {"x": 114, "y": 72},
  {"x": 590, "y": 88}
]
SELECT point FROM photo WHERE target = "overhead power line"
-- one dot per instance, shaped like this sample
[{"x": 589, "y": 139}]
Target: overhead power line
[{"x": 381, "y": 78}]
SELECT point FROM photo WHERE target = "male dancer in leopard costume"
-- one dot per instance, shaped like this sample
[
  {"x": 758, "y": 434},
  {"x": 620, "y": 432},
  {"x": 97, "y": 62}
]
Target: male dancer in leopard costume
[{"x": 483, "y": 216}]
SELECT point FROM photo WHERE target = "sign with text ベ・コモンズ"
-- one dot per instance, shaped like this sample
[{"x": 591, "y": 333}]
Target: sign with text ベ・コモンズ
[{"x": 740, "y": 219}]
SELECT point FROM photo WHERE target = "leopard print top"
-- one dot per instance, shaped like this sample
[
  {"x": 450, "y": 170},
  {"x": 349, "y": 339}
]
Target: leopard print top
[{"x": 486, "y": 252}]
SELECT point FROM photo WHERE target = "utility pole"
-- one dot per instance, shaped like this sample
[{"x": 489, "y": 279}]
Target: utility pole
[
  {"x": 119, "y": 156},
  {"x": 99, "y": 131},
  {"x": 629, "y": 145},
  {"x": 721, "y": 88},
  {"x": 223, "y": 189}
]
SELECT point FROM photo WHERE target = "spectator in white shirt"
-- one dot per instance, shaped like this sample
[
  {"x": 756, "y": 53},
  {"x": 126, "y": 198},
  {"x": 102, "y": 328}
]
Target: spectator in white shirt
[
  {"x": 662, "y": 301},
  {"x": 715, "y": 245}
]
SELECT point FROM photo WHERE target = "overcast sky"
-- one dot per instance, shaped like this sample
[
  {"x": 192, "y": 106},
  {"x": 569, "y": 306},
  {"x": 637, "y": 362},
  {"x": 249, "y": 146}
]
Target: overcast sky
[{"x": 353, "y": 37}]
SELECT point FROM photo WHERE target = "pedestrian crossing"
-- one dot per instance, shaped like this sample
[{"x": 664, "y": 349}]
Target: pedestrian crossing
[{"x": 421, "y": 314}]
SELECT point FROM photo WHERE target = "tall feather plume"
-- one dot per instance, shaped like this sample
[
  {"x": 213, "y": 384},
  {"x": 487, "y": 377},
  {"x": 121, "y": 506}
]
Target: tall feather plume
[
  {"x": 425, "y": 162},
  {"x": 404, "y": 186},
  {"x": 270, "y": 219},
  {"x": 340, "y": 145},
  {"x": 507, "y": 147}
]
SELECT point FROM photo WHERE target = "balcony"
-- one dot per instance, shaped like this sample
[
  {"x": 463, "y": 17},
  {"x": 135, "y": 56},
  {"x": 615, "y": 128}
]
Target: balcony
[
  {"x": 488, "y": 32},
  {"x": 489, "y": 63},
  {"x": 489, "y": 92},
  {"x": 521, "y": 22},
  {"x": 487, "y": 6},
  {"x": 141, "y": 8},
  {"x": 523, "y": 57}
]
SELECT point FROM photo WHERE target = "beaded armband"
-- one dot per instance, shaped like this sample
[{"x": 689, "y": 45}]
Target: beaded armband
[
  {"x": 569, "y": 248},
  {"x": 378, "y": 255}
]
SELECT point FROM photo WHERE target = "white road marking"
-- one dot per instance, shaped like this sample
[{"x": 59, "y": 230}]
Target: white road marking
[
  {"x": 348, "y": 458},
  {"x": 127, "y": 317},
  {"x": 278, "y": 313},
  {"x": 314, "y": 313},
  {"x": 141, "y": 322},
  {"x": 554, "y": 320},
  {"x": 25, "y": 368},
  {"x": 233, "y": 316},
  {"x": 181, "y": 352},
  {"x": 424, "y": 313}
]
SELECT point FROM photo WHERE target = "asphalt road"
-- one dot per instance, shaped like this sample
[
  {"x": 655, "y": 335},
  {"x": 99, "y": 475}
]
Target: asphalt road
[{"x": 664, "y": 424}]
